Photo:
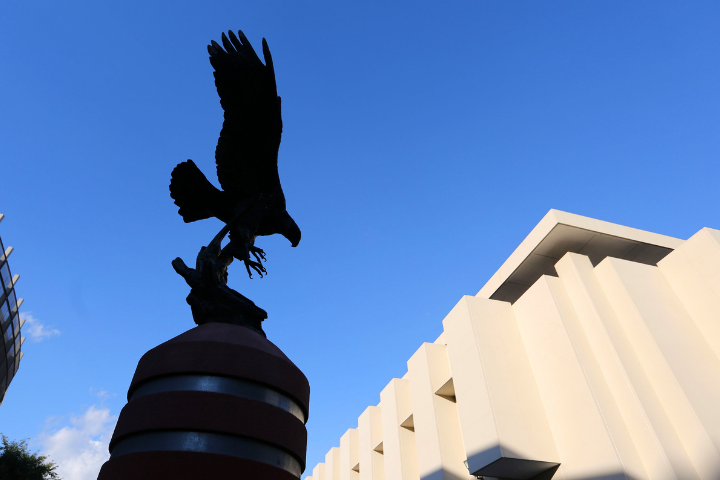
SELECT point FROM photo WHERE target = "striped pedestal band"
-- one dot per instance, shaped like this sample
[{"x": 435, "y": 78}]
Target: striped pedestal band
[
  {"x": 205, "y": 442},
  {"x": 216, "y": 384}
]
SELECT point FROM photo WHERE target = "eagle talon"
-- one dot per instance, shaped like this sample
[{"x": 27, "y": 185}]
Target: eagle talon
[
  {"x": 259, "y": 254},
  {"x": 255, "y": 266}
]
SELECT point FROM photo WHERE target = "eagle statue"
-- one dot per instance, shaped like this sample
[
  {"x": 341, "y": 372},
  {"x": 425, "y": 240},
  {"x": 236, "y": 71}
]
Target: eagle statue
[
  {"x": 246, "y": 156},
  {"x": 251, "y": 202}
]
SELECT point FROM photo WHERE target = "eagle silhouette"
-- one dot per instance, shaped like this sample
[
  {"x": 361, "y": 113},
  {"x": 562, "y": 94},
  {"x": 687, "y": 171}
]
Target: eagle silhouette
[{"x": 251, "y": 199}]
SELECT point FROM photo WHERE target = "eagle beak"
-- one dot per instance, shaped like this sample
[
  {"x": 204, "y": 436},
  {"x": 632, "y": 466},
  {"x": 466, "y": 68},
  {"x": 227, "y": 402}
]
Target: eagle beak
[
  {"x": 291, "y": 231},
  {"x": 295, "y": 238}
]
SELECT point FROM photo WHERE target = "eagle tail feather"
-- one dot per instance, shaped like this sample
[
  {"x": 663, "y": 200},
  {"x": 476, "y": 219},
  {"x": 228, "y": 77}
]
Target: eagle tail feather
[{"x": 192, "y": 192}]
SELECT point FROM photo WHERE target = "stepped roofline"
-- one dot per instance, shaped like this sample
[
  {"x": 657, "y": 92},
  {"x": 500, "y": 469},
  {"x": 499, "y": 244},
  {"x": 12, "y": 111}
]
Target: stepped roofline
[{"x": 561, "y": 232}]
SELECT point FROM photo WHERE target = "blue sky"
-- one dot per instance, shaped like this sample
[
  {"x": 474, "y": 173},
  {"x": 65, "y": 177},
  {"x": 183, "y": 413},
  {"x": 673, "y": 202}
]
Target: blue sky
[{"x": 422, "y": 142}]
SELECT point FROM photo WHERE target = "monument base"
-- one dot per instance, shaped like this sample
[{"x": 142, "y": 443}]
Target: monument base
[{"x": 219, "y": 401}]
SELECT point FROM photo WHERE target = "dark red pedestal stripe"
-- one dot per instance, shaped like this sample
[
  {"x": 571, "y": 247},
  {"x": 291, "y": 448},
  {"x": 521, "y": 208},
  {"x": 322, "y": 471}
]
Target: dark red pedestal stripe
[
  {"x": 213, "y": 412},
  {"x": 188, "y": 466},
  {"x": 226, "y": 359}
]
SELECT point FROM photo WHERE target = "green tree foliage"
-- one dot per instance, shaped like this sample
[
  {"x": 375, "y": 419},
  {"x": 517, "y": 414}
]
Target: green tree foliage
[{"x": 17, "y": 462}]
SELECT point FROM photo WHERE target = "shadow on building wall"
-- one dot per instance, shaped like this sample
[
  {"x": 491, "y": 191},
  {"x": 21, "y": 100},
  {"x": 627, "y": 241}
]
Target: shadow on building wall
[
  {"x": 510, "y": 466},
  {"x": 547, "y": 475}
]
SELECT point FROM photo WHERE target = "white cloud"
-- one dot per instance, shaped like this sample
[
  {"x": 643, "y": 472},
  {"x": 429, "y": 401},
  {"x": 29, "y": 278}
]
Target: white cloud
[
  {"x": 36, "y": 330},
  {"x": 102, "y": 394},
  {"x": 80, "y": 448}
]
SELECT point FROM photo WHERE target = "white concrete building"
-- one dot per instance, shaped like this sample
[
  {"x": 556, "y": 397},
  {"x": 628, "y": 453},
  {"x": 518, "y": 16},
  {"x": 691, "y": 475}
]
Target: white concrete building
[{"x": 592, "y": 353}]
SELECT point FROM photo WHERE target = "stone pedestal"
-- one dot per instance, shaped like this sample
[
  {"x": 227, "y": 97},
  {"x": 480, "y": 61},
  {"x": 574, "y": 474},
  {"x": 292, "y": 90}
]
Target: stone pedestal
[{"x": 218, "y": 402}]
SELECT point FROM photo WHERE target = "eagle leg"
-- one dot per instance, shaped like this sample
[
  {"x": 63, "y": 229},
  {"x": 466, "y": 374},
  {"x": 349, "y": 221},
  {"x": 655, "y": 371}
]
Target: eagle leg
[
  {"x": 255, "y": 266},
  {"x": 259, "y": 253}
]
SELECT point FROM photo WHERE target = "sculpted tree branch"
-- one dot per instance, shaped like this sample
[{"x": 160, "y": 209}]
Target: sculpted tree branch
[{"x": 210, "y": 299}]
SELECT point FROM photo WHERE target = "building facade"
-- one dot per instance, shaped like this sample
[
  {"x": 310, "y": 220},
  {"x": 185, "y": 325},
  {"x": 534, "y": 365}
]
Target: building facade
[
  {"x": 592, "y": 353},
  {"x": 10, "y": 323}
]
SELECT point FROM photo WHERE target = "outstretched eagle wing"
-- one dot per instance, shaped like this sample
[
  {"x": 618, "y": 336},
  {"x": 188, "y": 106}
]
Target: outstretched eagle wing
[{"x": 246, "y": 153}]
